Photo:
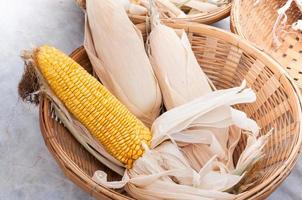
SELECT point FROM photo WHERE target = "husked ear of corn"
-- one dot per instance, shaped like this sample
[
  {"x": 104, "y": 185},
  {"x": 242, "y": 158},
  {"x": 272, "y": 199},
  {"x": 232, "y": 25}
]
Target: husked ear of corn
[
  {"x": 182, "y": 81},
  {"x": 116, "y": 50},
  {"x": 177, "y": 70},
  {"x": 163, "y": 172},
  {"x": 108, "y": 120}
]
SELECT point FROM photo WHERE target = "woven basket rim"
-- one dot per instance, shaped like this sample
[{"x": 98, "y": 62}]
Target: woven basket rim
[
  {"x": 206, "y": 18},
  {"x": 274, "y": 179},
  {"x": 237, "y": 29},
  {"x": 234, "y": 19}
]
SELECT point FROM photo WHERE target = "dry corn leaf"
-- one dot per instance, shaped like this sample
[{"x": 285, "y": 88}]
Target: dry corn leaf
[
  {"x": 168, "y": 53},
  {"x": 193, "y": 12},
  {"x": 218, "y": 2},
  {"x": 196, "y": 4},
  {"x": 116, "y": 50},
  {"x": 187, "y": 83},
  {"x": 136, "y": 9},
  {"x": 167, "y": 4},
  {"x": 281, "y": 22},
  {"x": 299, "y": 4},
  {"x": 184, "y": 84},
  {"x": 165, "y": 166},
  {"x": 163, "y": 172}
]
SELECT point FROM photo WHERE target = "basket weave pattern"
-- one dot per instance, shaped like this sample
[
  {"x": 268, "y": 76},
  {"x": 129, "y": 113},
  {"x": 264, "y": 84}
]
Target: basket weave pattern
[
  {"x": 227, "y": 60},
  {"x": 255, "y": 23}
]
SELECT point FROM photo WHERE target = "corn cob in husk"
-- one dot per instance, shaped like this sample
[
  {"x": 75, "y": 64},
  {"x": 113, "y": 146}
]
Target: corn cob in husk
[
  {"x": 182, "y": 80},
  {"x": 119, "y": 59},
  {"x": 82, "y": 103},
  {"x": 163, "y": 172},
  {"x": 156, "y": 168}
]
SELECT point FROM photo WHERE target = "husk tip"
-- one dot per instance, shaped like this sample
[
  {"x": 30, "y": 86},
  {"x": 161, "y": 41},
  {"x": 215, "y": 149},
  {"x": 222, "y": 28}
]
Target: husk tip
[{"x": 81, "y": 4}]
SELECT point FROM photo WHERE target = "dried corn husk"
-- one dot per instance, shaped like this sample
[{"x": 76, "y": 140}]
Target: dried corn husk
[
  {"x": 182, "y": 80},
  {"x": 218, "y": 2},
  {"x": 299, "y": 4},
  {"x": 116, "y": 50},
  {"x": 297, "y": 26},
  {"x": 81, "y": 4},
  {"x": 168, "y": 5},
  {"x": 179, "y": 75},
  {"x": 196, "y": 4},
  {"x": 193, "y": 12},
  {"x": 164, "y": 173},
  {"x": 281, "y": 22},
  {"x": 136, "y": 9}
]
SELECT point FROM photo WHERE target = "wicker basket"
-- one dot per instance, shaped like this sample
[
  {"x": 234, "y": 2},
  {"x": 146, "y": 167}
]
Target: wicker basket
[
  {"x": 255, "y": 23},
  {"x": 204, "y": 18},
  {"x": 227, "y": 60}
]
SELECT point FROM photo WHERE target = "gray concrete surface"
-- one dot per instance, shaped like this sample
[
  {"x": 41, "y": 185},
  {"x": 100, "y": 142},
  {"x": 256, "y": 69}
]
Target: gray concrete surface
[{"x": 27, "y": 170}]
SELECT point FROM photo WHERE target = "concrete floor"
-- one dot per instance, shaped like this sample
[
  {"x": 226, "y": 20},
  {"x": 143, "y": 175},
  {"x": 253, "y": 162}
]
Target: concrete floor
[{"x": 27, "y": 170}]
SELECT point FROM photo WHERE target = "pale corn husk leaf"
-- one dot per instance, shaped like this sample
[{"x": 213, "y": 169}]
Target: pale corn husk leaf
[
  {"x": 196, "y": 4},
  {"x": 165, "y": 166},
  {"x": 163, "y": 172},
  {"x": 168, "y": 51},
  {"x": 186, "y": 83},
  {"x": 234, "y": 137},
  {"x": 280, "y": 23},
  {"x": 299, "y": 4},
  {"x": 297, "y": 26},
  {"x": 81, "y": 4},
  {"x": 137, "y": 9},
  {"x": 204, "y": 127},
  {"x": 193, "y": 12},
  {"x": 153, "y": 177},
  {"x": 196, "y": 159},
  {"x": 252, "y": 153},
  {"x": 219, "y": 2},
  {"x": 168, "y": 5},
  {"x": 199, "y": 113},
  {"x": 108, "y": 38}
]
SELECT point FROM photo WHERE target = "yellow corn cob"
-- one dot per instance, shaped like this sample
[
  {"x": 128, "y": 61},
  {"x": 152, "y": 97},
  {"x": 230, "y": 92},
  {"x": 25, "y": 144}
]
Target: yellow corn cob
[{"x": 109, "y": 121}]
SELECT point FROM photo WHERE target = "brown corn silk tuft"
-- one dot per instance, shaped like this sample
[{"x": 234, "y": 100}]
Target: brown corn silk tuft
[
  {"x": 116, "y": 50},
  {"x": 29, "y": 82}
]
